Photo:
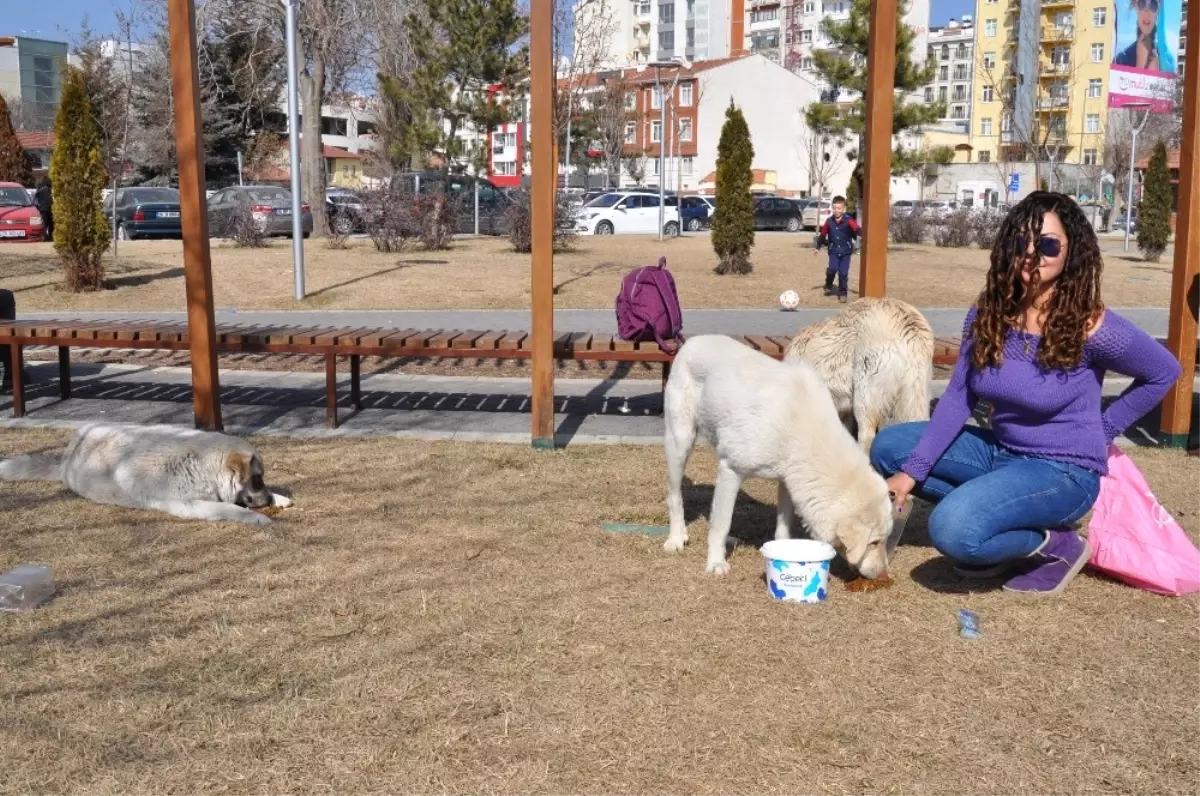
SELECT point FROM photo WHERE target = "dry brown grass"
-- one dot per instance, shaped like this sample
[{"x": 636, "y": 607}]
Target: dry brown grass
[
  {"x": 451, "y": 618},
  {"x": 486, "y": 274}
]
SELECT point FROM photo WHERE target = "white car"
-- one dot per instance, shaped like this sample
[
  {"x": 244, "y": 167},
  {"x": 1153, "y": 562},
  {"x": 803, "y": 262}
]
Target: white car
[
  {"x": 816, "y": 214},
  {"x": 621, "y": 213}
]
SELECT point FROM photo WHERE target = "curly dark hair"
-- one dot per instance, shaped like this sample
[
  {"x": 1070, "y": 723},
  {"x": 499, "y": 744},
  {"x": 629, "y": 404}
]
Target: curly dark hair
[{"x": 1076, "y": 301}]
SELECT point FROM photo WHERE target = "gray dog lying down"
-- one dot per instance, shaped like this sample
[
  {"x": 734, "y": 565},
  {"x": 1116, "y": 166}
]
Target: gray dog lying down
[{"x": 194, "y": 475}]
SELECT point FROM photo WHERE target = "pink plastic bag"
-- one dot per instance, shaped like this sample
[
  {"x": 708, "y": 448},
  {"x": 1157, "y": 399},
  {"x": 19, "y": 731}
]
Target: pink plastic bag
[{"x": 1134, "y": 539}]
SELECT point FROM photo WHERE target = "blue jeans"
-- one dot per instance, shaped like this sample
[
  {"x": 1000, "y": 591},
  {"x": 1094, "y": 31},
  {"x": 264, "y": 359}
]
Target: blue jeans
[
  {"x": 993, "y": 505},
  {"x": 839, "y": 266}
]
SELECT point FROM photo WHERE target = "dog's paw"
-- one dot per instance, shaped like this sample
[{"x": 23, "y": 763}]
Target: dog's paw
[
  {"x": 674, "y": 544},
  {"x": 717, "y": 567},
  {"x": 255, "y": 518},
  {"x": 280, "y": 501}
]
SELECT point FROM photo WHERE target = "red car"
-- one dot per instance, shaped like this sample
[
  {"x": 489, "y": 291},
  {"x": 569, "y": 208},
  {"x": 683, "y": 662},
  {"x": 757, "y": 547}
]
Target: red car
[{"x": 19, "y": 219}]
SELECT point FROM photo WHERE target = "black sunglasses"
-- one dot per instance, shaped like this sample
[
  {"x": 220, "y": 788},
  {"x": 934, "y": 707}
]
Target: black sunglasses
[
  {"x": 1147, "y": 5},
  {"x": 1046, "y": 245}
]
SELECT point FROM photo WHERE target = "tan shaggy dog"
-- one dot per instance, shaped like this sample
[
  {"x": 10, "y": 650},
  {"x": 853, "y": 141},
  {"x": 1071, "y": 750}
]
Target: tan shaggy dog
[{"x": 876, "y": 356}]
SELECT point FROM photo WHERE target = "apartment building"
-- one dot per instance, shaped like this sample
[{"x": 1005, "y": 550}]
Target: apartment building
[
  {"x": 31, "y": 72},
  {"x": 1041, "y": 80},
  {"x": 642, "y": 31},
  {"x": 952, "y": 49},
  {"x": 784, "y": 31},
  {"x": 1182, "y": 37}
]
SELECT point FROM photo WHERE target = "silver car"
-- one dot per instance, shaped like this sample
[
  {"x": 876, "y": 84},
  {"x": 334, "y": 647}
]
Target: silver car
[{"x": 269, "y": 206}]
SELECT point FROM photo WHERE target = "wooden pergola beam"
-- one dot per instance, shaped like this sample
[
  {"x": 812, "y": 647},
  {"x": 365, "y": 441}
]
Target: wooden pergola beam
[
  {"x": 1177, "y": 415},
  {"x": 545, "y": 179},
  {"x": 197, "y": 262},
  {"x": 877, "y": 143}
]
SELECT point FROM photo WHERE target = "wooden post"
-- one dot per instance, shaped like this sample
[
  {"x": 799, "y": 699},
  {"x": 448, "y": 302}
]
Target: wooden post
[
  {"x": 877, "y": 143},
  {"x": 197, "y": 265},
  {"x": 1181, "y": 332},
  {"x": 545, "y": 179}
]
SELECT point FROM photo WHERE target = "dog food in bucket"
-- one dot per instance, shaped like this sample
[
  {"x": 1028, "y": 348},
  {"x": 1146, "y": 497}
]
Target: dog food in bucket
[{"x": 798, "y": 569}]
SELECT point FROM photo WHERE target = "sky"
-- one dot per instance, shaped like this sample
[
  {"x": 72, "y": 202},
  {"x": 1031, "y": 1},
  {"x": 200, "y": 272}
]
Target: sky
[
  {"x": 940, "y": 11},
  {"x": 55, "y": 19},
  {"x": 59, "y": 19}
]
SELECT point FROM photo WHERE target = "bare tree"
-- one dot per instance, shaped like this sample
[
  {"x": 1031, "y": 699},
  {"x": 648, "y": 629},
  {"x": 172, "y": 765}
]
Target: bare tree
[
  {"x": 23, "y": 117},
  {"x": 581, "y": 35},
  {"x": 821, "y": 156},
  {"x": 636, "y": 167},
  {"x": 614, "y": 112}
]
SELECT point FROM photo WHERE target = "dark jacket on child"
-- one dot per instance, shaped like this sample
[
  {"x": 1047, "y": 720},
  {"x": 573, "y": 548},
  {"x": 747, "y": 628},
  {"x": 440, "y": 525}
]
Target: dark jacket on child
[{"x": 838, "y": 236}]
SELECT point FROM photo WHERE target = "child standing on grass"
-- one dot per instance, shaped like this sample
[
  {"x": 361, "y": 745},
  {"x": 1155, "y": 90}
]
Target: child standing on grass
[{"x": 838, "y": 234}]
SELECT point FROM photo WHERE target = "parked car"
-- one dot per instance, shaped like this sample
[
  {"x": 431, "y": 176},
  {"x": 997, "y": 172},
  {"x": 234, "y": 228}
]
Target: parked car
[
  {"x": 493, "y": 202},
  {"x": 777, "y": 213},
  {"x": 625, "y": 212},
  {"x": 816, "y": 213},
  {"x": 696, "y": 212},
  {"x": 269, "y": 206},
  {"x": 145, "y": 213},
  {"x": 19, "y": 219},
  {"x": 346, "y": 211}
]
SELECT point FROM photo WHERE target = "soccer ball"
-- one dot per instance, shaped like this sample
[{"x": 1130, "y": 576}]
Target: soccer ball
[{"x": 789, "y": 300}]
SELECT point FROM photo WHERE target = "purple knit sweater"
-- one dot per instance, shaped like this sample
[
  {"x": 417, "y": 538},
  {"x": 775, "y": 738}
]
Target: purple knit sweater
[{"x": 1051, "y": 414}]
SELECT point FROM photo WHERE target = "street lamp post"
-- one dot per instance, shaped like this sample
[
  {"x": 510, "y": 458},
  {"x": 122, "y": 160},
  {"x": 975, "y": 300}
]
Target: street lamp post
[
  {"x": 1134, "y": 106},
  {"x": 294, "y": 151},
  {"x": 675, "y": 64}
]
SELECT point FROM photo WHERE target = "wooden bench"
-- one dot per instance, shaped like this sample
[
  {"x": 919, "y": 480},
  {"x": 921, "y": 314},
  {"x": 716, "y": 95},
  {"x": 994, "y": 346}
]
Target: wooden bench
[{"x": 332, "y": 342}]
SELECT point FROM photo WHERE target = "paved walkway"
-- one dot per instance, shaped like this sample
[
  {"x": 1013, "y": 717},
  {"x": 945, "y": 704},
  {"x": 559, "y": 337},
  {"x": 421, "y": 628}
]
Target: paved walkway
[
  {"x": 419, "y": 407},
  {"x": 946, "y": 322}
]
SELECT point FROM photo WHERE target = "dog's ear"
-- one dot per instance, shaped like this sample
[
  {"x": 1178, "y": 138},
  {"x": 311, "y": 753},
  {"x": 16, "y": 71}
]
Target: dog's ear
[{"x": 239, "y": 463}]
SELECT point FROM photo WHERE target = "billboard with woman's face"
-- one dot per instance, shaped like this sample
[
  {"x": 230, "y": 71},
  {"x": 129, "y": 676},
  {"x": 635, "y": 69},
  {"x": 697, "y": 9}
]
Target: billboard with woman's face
[{"x": 1145, "y": 44}]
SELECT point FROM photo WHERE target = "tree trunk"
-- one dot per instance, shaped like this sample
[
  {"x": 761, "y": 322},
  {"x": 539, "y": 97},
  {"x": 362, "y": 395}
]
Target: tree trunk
[{"x": 312, "y": 158}]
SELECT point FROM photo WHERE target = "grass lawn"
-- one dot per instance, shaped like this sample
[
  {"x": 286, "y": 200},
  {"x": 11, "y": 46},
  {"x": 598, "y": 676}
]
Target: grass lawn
[
  {"x": 451, "y": 618},
  {"x": 486, "y": 274}
]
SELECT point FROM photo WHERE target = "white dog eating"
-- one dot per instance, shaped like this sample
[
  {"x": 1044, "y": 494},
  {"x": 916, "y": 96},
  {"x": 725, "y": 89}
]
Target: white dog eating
[{"x": 775, "y": 420}]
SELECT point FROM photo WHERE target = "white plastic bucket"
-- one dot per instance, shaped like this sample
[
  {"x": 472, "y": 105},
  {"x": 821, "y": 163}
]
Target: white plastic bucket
[{"x": 797, "y": 569}]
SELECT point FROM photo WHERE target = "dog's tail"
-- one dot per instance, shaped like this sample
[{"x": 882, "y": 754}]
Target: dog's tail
[{"x": 32, "y": 467}]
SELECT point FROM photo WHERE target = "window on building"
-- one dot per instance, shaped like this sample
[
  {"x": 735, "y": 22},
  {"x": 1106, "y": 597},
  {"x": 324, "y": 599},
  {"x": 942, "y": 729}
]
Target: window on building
[
  {"x": 631, "y": 132},
  {"x": 666, "y": 13},
  {"x": 985, "y": 156},
  {"x": 349, "y": 172},
  {"x": 685, "y": 128},
  {"x": 989, "y": 27},
  {"x": 806, "y": 64},
  {"x": 945, "y": 52},
  {"x": 666, "y": 41},
  {"x": 989, "y": 93},
  {"x": 1099, "y": 16},
  {"x": 810, "y": 8},
  {"x": 1006, "y": 124},
  {"x": 960, "y": 72},
  {"x": 685, "y": 95},
  {"x": 929, "y": 93},
  {"x": 512, "y": 139},
  {"x": 960, "y": 51},
  {"x": 656, "y": 131},
  {"x": 685, "y": 167},
  {"x": 1090, "y": 157},
  {"x": 958, "y": 112},
  {"x": 505, "y": 168},
  {"x": 942, "y": 93},
  {"x": 960, "y": 93},
  {"x": 806, "y": 36},
  {"x": 656, "y": 97},
  {"x": 985, "y": 126},
  {"x": 630, "y": 100},
  {"x": 944, "y": 73},
  {"x": 1095, "y": 88},
  {"x": 1092, "y": 123},
  {"x": 764, "y": 15},
  {"x": 654, "y": 171},
  {"x": 1097, "y": 53},
  {"x": 989, "y": 60}
]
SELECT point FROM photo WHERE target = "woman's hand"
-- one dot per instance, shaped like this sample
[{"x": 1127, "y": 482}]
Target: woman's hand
[{"x": 900, "y": 485}]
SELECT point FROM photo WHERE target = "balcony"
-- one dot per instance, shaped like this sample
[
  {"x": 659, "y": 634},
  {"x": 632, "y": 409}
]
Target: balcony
[
  {"x": 1048, "y": 4},
  {"x": 1057, "y": 35},
  {"x": 1008, "y": 137},
  {"x": 1052, "y": 70},
  {"x": 1053, "y": 104}
]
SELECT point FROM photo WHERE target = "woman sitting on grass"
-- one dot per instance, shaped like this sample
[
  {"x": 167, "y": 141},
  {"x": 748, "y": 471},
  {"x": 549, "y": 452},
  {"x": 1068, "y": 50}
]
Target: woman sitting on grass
[{"x": 1035, "y": 347}]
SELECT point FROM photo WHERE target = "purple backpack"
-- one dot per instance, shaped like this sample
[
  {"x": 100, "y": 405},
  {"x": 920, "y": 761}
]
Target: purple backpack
[{"x": 648, "y": 306}]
